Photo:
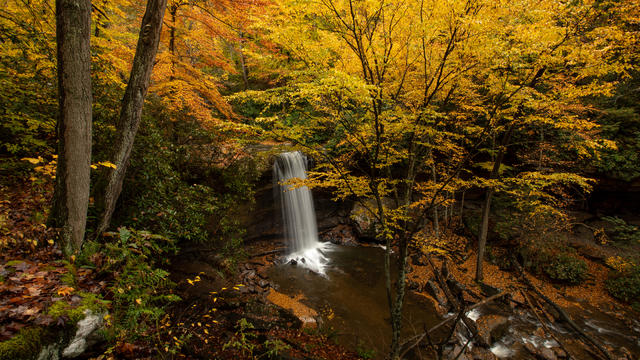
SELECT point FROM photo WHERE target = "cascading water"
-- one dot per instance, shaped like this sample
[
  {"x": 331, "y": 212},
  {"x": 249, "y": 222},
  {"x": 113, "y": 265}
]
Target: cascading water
[{"x": 298, "y": 213}]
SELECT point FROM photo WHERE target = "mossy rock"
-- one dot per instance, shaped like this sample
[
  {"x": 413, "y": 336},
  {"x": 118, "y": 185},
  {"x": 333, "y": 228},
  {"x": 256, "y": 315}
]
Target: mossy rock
[
  {"x": 76, "y": 313},
  {"x": 26, "y": 344}
]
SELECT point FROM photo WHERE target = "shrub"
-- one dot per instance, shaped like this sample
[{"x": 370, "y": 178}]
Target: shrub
[
  {"x": 566, "y": 268},
  {"x": 185, "y": 190},
  {"x": 140, "y": 289},
  {"x": 624, "y": 283},
  {"x": 623, "y": 232}
]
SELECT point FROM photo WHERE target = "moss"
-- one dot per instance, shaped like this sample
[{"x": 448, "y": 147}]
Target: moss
[
  {"x": 75, "y": 313},
  {"x": 14, "y": 262},
  {"x": 24, "y": 345}
]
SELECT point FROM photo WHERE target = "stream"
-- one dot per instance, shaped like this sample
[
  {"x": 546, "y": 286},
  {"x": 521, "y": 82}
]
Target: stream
[
  {"x": 346, "y": 286},
  {"x": 351, "y": 301}
]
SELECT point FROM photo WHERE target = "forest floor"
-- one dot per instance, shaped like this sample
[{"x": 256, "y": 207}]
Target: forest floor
[
  {"x": 229, "y": 310},
  {"x": 219, "y": 317}
]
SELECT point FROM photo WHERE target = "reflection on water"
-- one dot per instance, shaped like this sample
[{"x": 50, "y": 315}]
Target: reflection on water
[{"x": 352, "y": 299}]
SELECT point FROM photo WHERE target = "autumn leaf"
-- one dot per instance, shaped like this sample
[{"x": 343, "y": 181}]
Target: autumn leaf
[{"x": 65, "y": 290}]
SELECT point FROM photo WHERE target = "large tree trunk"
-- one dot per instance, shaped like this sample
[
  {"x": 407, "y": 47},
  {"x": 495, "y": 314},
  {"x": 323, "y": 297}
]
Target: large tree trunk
[
  {"x": 132, "y": 103},
  {"x": 71, "y": 196}
]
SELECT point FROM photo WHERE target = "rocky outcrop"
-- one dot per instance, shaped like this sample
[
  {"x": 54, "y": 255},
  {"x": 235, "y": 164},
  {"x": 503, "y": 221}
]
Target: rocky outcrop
[
  {"x": 340, "y": 235},
  {"x": 364, "y": 221}
]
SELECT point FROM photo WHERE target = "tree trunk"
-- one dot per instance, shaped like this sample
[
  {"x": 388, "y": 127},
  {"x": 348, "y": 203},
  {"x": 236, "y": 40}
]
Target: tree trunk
[
  {"x": 486, "y": 208},
  {"x": 71, "y": 196},
  {"x": 173, "y": 11},
  {"x": 462, "y": 207},
  {"x": 132, "y": 104},
  {"x": 484, "y": 229},
  {"x": 436, "y": 223},
  {"x": 243, "y": 64}
]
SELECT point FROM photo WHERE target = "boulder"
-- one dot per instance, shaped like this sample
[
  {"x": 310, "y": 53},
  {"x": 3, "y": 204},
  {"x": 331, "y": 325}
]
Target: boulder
[
  {"x": 492, "y": 327},
  {"x": 364, "y": 222},
  {"x": 86, "y": 335},
  {"x": 341, "y": 235}
]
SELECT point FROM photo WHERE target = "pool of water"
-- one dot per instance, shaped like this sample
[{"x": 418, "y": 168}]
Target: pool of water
[
  {"x": 352, "y": 301},
  {"x": 351, "y": 298}
]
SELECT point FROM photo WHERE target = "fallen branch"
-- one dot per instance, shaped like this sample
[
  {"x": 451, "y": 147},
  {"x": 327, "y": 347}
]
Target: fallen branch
[
  {"x": 418, "y": 338},
  {"x": 478, "y": 304},
  {"x": 544, "y": 325},
  {"x": 560, "y": 311}
]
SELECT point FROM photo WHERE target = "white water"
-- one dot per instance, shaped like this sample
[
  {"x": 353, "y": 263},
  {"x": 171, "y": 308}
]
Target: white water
[{"x": 298, "y": 213}]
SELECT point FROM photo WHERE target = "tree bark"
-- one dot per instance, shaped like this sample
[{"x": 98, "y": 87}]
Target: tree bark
[
  {"x": 486, "y": 208},
  {"x": 484, "y": 229},
  {"x": 71, "y": 195},
  {"x": 132, "y": 103}
]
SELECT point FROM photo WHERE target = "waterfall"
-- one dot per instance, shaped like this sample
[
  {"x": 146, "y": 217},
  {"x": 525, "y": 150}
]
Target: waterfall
[{"x": 298, "y": 213}]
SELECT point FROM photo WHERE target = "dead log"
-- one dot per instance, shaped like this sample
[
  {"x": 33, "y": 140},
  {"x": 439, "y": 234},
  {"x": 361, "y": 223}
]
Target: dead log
[
  {"x": 454, "y": 301},
  {"x": 526, "y": 298},
  {"x": 563, "y": 315}
]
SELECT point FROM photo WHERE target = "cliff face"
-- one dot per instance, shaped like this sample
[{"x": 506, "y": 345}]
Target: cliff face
[
  {"x": 612, "y": 196},
  {"x": 264, "y": 218}
]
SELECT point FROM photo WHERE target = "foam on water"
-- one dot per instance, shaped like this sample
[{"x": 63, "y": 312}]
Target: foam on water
[
  {"x": 474, "y": 314},
  {"x": 502, "y": 351}
]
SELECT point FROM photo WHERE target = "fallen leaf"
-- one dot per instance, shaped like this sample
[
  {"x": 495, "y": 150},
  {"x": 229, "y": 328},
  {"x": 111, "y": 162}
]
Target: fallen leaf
[{"x": 65, "y": 290}]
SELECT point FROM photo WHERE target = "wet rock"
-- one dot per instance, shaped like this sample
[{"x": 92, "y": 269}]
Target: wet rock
[
  {"x": 263, "y": 283},
  {"x": 293, "y": 262},
  {"x": 85, "y": 335},
  {"x": 480, "y": 353},
  {"x": 561, "y": 354},
  {"x": 262, "y": 272},
  {"x": 248, "y": 275},
  {"x": 492, "y": 327},
  {"x": 453, "y": 354},
  {"x": 258, "y": 263},
  {"x": 541, "y": 353},
  {"x": 547, "y": 354},
  {"x": 435, "y": 292},
  {"x": 341, "y": 235}
]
